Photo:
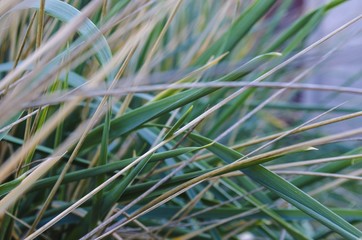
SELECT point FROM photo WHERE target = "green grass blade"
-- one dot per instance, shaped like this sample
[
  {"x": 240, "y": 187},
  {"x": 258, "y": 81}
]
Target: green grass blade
[
  {"x": 141, "y": 115},
  {"x": 224, "y": 212},
  {"x": 333, "y": 167},
  {"x": 92, "y": 172},
  {"x": 299, "y": 24},
  {"x": 238, "y": 30},
  {"x": 286, "y": 190},
  {"x": 304, "y": 202},
  {"x": 229, "y": 156},
  {"x": 108, "y": 200},
  {"x": 178, "y": 123}
]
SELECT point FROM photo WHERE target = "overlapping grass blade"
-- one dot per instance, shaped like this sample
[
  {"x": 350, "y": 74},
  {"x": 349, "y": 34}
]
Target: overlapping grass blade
[
  {"x": 238, "y": 30},
  {"x": 286, "y": 190},
  {"x": 101, "y": 185},
  {"x": 141, "y": 115}
]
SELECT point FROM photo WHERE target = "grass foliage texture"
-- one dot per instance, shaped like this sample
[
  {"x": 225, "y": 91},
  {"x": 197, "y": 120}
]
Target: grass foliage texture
[{"x": 175, "y": 119}]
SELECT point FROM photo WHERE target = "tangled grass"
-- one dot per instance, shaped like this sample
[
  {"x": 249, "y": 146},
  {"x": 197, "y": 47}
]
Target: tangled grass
[{"x": 174, "y": 119}]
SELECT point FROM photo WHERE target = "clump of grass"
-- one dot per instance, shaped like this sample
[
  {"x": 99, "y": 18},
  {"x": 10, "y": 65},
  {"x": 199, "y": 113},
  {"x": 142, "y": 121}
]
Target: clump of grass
[{"x": 157, "y": 119}]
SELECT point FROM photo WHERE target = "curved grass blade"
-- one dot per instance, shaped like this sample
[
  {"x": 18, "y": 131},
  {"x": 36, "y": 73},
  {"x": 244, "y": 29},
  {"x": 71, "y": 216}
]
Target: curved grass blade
[
  {"x": 65, "y": 12},
  {"x": 285, "y": 190}
]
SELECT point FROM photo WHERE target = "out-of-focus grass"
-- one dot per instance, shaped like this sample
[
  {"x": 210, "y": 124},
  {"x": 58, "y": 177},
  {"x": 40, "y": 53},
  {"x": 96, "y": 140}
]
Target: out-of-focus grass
[{"x": 170, "y": 119}]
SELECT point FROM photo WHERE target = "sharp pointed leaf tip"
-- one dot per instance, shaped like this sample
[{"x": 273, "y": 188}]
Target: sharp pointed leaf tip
[
  {"x": 277, "y": 54},
  {"x": 311, "y": 149}
]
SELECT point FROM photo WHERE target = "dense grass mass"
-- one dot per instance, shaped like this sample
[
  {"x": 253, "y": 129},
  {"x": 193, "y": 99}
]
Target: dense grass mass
[{"x": 175, "y": 119}]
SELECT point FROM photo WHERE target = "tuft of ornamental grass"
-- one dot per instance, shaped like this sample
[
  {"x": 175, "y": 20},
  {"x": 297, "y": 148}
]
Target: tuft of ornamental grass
[{"x": 174, "y": 119}]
